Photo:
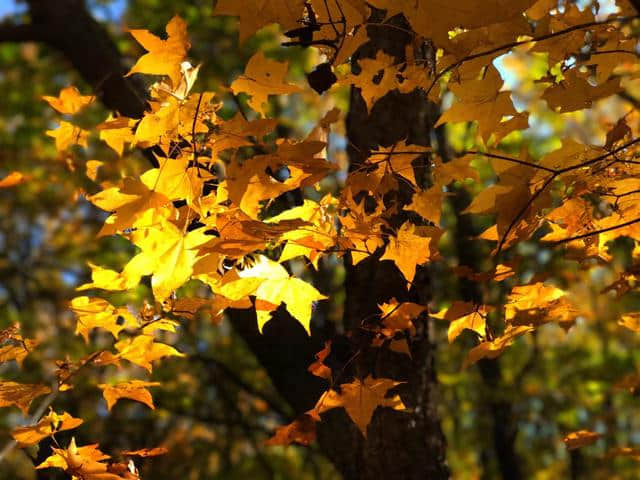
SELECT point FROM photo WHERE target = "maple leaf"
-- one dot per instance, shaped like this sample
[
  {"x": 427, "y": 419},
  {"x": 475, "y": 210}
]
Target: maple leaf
[
  {"x": 435, "y": 18},
  {"x": 128, "y": 203},
  {"x": 360, "y": 399},
  {"x": 67, "y": 135},
  {"x": 85, "y": 463},
  {"x": 69, "y": 101},
  {"x": 412, "y": 246},
  {"x": 399, "y": 316},
  {"x": 133, "y": 389},
  {"x": 115, "y": 132},
  {"x": 318, "y": 368},
  {"x": 464, "y": 315},
  {"x": 46, "y": 426},
  {"x": 400, "y": 163},
  {"x": 94, "y": 312},
  {"x": 250, "y": 182},
  {"x": 146, "y": 452},
  {"x": 168, "y": 254},
  {"x": 580, "y": 438},
  {"x": 263, "y": 77},
  {"x": 576, "y": 93},
  {"x": 19, "y": 350},
  {"x": 17, "y": 347},
  {"x": 302, "y": 430},
  {"x": 382, "y": 68},
  {"x": 235, "y": 132},
  {"x": 272, "y": 285},
  {"x": 143, "y": 350},
  {"x": 175, "y": 179},
  {"x": 12, "y": 179},
  {"x": 312, "y": 239},
  {"x": 165, "y": 56},
  {"x": 428, "y": 203},
  {"x": 92, "y": 167},
  {"x": 480, "y": 100},
  {"x": 20, "y": 394},
  {"x": 261, "y": 13},
  {"x": 493, "y": 348}
]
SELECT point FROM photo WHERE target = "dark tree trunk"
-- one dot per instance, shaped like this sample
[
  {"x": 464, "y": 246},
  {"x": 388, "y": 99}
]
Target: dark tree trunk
[{"x": 399, "y": 445}]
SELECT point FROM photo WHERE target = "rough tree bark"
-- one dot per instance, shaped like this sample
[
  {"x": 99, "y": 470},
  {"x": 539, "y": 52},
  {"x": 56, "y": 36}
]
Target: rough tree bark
[{"x": 399, "y": 445}]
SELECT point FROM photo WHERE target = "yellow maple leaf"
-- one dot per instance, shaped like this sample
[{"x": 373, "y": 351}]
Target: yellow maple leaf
[
  {"x": 133, "y": 390},
  {"x": 495, "y": 347},
  {"x": 92, "y": 312},
  {"x": 580, "y": 438},
  {"x": 168, "y": 254},
  {"x": 175, "y": 179},
  {"x": 12, "y": 179},
  {"x": 480, "y": 100},
  {"x": 83, "y": 463},
  {"x": 165, "y": 56},
  {"x": 272, "y": 285},
  {"x": 48, "y": 425},
  {"x": 576, "y": 93},
  {"x": 69, "y": 101},
  {"x": 412, "y": 246},
  {"x": 263, "y": 77},
  {"x": 115, "y": 132},
  {"x": 360, "y": 399},
  {"x": 262, "y": 13},
  {"x": 128, "y": 203},
  {"x": 309, "y": 240},
  {"x": 463, "y": 316},
  {"x": 19, "y": 350},
  {"x": 67, "y": 135},
  {"x": 428, "y": 203},
  {"x": 20, "y": 394},
  {"x": 143, "y": 350},
  {"x": 399, "y": 316},
  {"x": 146, "y": 452},
  {"x": 435, "y": 18}
]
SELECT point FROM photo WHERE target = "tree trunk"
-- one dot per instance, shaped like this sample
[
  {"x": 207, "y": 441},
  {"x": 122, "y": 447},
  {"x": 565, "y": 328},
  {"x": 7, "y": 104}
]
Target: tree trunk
[{"x": 399, "y": 445}]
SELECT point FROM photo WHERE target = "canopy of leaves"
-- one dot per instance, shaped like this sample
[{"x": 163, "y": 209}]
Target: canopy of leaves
[{"x": 522, "y": 213}]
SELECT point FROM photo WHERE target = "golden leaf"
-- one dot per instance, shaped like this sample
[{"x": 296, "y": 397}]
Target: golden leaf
[
  {"x": 92, "y": 312},
  {"x": 580, "y": 439},
  {"x": 146, "y": 452},
  {"x": 12, "y": 179},
  {"x": 143, "y": 350},
  {"x": 133, "y": 389},
  {"x": 20, "y": 394},
  {"x": 165, "y": 56},
  {"x": 263, "y": 77},
  {"x": 262, "y": 13},
  {"x": 69, "y": 101},
  {"x": 360, "y": 399},
  {"x": 47, "y": 426},
  {"x": 67, "y": 135},
  {"x": 271, "y": 284},
  {"x": 412, "y": 246}
]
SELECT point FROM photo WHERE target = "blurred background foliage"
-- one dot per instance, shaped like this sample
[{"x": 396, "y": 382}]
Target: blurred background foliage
[{"x": 216, "y": 407}]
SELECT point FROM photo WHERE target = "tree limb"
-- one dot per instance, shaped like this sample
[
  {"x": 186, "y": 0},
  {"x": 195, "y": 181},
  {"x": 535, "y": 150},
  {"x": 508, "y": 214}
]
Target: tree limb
[{"x": 11, "y": 32}]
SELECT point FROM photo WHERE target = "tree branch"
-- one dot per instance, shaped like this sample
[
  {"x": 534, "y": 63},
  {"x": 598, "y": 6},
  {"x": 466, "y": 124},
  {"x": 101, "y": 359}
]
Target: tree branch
[{"x": 11, "y": 32}]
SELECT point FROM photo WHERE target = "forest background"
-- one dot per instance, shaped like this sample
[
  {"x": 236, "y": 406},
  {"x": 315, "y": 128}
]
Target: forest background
[{"x": 216, "y": 407}]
